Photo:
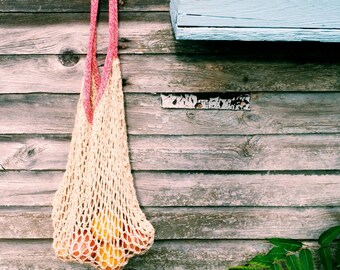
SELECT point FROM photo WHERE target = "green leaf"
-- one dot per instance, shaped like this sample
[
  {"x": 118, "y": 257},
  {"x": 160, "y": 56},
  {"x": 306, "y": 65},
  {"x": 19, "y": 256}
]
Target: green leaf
[
  {"x": 276, "y": 253},
  {"x": 244, "y": 268},
  {"x": 337, "y": 254},
  {"x": 306, "y": 259},
  {"x": 260, "y": 266},
  {"x": 293, "y": 263},
  {"x": 327, "y": 237},
  {"x": 261, "y": 261},
  {"x": 326, "y": 257},
  {"x": 287, "y": 244},
  {"x": 276, "y": 266}
]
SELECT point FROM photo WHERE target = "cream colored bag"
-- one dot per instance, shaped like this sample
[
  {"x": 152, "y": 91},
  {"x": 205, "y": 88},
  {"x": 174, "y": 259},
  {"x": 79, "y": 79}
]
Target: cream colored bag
[{"x": 96, "y": 216}]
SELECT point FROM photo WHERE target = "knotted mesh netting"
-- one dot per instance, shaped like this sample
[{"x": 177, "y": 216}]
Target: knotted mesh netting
[{"x": 96, "y": 215}]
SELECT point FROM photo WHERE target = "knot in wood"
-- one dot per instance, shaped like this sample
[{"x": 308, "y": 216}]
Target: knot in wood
[
  {"x": 253, "y": 117},
  {"x": 125, "y": 81},
  {"x": 31, "y": 152},
  {"x": 249, "y": 148},
  {"x": 190, "y": 114},
  {"x": 245, "y": 79},
  {"x": 123, "y": 43},
  {"x": 68, "y": 57}
]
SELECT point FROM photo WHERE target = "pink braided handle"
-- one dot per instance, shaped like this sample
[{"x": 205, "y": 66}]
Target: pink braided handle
[{"x": 91, "y": 65}]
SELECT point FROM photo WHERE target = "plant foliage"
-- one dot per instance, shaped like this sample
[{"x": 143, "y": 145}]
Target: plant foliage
[{"x": 290, "y": 254}]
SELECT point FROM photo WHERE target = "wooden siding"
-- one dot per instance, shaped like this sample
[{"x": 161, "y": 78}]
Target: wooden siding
[
  {"x": 188, "y": 254},
  {"x": 141, "y": 74},
  {"x": 271, "y": 113},
  {"x": 191, "y": 189},
  {"x": 183, "y": 153},
  {"x": 39, "y": 6},
  {"x": 140, "y": 32},
  {"x": 194, "y": 223},
  {"x": 214, "y": 183}
]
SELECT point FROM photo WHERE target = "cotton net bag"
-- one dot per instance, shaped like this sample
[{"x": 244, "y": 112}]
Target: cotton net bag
[{"x": 96, "y": 216}]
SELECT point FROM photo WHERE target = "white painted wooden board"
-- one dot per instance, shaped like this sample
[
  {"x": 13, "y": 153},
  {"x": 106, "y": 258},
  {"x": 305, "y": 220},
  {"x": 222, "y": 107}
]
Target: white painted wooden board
[
  {"x": 213, "y": 101},
  {"x": 279, "y": 20}
]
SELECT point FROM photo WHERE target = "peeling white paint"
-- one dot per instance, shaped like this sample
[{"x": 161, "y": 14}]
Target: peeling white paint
[{"x": 214, "y": 101}]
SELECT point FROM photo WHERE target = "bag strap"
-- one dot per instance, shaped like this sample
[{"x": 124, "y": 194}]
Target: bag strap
[{"x": 91, "y": 64}]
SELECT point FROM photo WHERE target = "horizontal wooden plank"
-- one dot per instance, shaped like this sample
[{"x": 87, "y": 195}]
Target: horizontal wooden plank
[
  {"x": 189, "y": 189},
  {"x": 54, "y": 113},
  {"x": 195, "y": 223},
  {"x": 172, "y": 73},
  {"x": 195, "y": 153},
  {"x": 171, "y": 255},
  {"x": 270, "y": 114},
  {"x": 140, "y": 32},
  {"x": 237, "y": 153},
  {"x": 29, "y": 188},
  {"x": 79, "y": 5},
  {"x": 27, "y": 150}
]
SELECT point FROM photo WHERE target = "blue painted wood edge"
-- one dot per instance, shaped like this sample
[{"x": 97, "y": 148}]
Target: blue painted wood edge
[
  {"x": 173, "y": 16},
  {"x": 247, "y": 33},
  {"x": 258, "y": 34}
]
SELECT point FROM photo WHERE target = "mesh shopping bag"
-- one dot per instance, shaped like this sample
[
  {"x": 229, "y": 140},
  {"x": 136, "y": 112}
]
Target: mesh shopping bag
[{"x": 96, "y": 216}]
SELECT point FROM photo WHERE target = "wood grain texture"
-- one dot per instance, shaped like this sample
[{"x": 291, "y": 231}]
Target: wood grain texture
[
  {"x": 189, "y": 189},
  {"x": 172, "y": 73},
  {"x": 271, "y": 113},
  {"x": 140, "y": 32},
  {"x": 29, "y": 188},
  {"x": 237, "y": 153},
  {"x": 36, "y": 151},
  {"x": 195, "y": 223},
  {"x": 78, "y": 5},
  {"x": 171, "y": 255},
  {"x": 194, "y": 153}
]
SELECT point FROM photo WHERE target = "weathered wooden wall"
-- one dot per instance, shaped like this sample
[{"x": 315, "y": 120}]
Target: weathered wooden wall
[{"x": 214, "y": 183}]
